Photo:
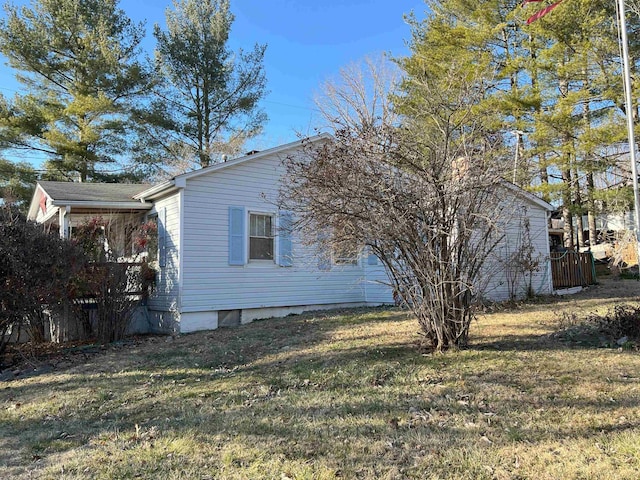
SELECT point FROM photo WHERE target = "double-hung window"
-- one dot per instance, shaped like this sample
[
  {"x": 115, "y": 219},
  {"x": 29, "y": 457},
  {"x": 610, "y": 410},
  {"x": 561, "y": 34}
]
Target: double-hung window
[
  {"x": 345, "y": 256},
  {"x": 261, "y": 237}
]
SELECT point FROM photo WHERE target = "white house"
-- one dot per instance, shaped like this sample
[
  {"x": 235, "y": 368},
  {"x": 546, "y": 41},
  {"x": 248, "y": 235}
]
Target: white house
[{"x": 223, "y": 258}]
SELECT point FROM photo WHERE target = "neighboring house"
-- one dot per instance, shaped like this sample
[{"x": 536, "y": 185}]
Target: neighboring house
[{"x": 224, "y": 258}]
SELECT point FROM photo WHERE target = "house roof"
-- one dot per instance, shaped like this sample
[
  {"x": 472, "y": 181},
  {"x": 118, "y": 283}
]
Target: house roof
[
  {"x": 180, "y": 180},
  {"x": 528, "y": 196},
  {"x": 100, "y": 196},
  {"x": 95, "y": 192},
  {"x": 137, "y": 196}
]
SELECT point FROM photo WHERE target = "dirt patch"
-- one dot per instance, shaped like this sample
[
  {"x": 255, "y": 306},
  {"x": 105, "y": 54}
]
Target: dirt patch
[
  {"x": 611, "y": 287},
  {"x": 28, "y": 359}
]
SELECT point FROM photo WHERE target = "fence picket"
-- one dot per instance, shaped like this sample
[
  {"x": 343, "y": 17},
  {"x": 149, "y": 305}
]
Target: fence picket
[{"x": 572, "y": 269}]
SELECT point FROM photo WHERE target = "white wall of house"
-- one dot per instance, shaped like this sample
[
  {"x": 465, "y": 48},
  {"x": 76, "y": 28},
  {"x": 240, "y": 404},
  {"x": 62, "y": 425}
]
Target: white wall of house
[
  {"x": 503, "y": 279},
  {"x": 164, "y": 305},
  {"x": 376, "y": 281},
  {"x": 210, "y": 284},
  {"x": 202, "y": 285}
]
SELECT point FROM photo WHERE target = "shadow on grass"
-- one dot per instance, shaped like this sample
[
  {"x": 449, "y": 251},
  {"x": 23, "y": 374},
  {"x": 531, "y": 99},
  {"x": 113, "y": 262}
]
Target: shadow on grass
[
  {"x": 225, "y": 347},
  {"x": 300, "y": 417},
  {"x": 268, "y": 384}
]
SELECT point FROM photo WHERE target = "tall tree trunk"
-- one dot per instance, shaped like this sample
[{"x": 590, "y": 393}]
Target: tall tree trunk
[
  {"x": 544, "y": 177},
  {"x": 578, "y": 206},
  {"x": 588, "y": 163},
  {"x": 591, "y": 210},
  {"x": 542, "y": 160},
  {"x": 567, "y": 188},
  {"x": 566, "y": 209},
  {"x": 206, "y": 97}
]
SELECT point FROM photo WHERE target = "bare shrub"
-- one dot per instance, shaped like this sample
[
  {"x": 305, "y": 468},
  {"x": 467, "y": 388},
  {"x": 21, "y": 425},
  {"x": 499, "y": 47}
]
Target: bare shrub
[
  {"x": 522, "y": 263},
  {"x": 113, "y": 289},
  {"x": 619, "y": 322},
  {"x": 116, "y": 289},
  {"x": 424, "y": 197}
]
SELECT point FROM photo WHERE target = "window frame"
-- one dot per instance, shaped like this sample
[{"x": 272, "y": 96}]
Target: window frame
[
  {"x": 341, "y": 259},
  {"x": 272, "y": 216}
]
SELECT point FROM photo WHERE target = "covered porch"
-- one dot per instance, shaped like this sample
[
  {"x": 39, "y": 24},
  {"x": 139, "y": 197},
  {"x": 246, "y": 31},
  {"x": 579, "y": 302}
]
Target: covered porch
[{"x": 63, "y": 207}]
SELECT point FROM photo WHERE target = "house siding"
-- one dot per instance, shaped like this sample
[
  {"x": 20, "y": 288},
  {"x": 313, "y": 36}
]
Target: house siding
[
  {"x": 494, "y": 284},
  {"x": 502, "y": 280},
  {"x": 164, "y": 304},
  {"x": 377, "y": 289},
  {"x": 210, "y": 284}
]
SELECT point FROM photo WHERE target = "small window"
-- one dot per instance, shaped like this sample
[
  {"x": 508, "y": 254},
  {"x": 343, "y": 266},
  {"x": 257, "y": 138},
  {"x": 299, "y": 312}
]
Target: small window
[
  {"x": 260, "y": 237},
  {"x": 345, "y": 257}
]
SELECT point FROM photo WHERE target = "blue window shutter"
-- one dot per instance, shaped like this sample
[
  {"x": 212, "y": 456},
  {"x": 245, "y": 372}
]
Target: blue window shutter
[
  {"x": 162, "y": 237},
  {"x": 285, "y": 246},
  {"x": 237, "y": 235}
]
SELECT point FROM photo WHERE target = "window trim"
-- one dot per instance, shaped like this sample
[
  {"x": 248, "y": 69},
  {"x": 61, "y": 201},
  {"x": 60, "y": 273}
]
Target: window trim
[
  {"x": 263, "y": 261},
  {"x": 343, "y": 261}
]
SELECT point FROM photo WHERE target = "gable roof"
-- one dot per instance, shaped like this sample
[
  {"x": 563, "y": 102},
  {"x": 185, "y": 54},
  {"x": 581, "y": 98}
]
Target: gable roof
[
  {"x": 137, "y": 195},
  {"x": 179, "y": 180},
  {"x": 92, "y": 192},
  {"x": 528, "y": 196},
  {"x": 85, "y": 195}
]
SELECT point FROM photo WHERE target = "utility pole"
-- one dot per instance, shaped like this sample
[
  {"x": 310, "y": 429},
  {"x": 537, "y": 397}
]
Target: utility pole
[
  {"x": 622, "y": 22},
  {"x": 516, "y": 157}
]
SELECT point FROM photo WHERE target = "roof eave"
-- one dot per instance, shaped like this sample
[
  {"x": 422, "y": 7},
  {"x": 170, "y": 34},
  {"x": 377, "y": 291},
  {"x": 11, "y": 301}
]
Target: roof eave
[
  {"x": 132, "y": 205},
  {"x": 254, "y": 156},
  {"x": 156, "y": 191},
  {"x": 528, "y": 196},
  {"x": 179, "y": 181}
]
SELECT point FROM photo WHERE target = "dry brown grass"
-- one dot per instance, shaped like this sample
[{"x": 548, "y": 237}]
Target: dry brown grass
[{"x": 338, "y": 395}]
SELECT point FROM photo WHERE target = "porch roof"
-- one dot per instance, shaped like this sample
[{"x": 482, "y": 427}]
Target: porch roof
[
  {"x": 92, "y": 192},
  {"x": 50, "y": 197}
]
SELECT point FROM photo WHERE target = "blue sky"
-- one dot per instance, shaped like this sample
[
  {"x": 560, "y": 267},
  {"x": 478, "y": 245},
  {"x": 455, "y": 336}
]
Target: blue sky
[{"x": 308, "y": 42}]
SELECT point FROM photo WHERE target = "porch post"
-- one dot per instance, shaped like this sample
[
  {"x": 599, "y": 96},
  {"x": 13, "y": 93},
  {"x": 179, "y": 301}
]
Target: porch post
[{"x": 63, "y": 221}]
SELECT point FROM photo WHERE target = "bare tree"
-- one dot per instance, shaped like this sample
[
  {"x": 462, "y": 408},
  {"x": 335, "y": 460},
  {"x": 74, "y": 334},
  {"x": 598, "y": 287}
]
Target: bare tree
[
  {"x": 424, "y": 197},
  {"x": 360, "y": 95}
]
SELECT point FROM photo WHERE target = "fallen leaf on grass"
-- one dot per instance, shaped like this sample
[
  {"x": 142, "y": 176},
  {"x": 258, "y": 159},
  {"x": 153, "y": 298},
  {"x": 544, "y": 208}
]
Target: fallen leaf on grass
[{"x": 484, "y": 439}]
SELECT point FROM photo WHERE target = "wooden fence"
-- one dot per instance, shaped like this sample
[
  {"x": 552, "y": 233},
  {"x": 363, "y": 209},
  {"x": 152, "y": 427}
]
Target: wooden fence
[{"x": 572, "y": 269}]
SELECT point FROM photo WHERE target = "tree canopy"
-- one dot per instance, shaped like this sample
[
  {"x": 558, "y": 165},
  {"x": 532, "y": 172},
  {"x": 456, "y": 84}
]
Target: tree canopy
[
  {"x": 17, "y": 182},
  {"x": 77, "y": 60},
  {"x": 207, "y": 97},
  {"x": 554, "y": 94}
]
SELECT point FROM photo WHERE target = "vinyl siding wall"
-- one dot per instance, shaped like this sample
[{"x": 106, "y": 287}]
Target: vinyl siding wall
[
  {"x": 502, "y": 278},
  {"x": 167, "y": 293},
  {"x": 376, "y": 283},
  {"x": 210, "y": 284},
  {"x": 499, "y": 280}
]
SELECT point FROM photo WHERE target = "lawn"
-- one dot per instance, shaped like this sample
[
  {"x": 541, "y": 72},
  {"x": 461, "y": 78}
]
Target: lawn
[{"x": 338, "y": 395}]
